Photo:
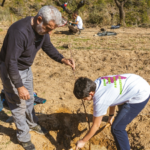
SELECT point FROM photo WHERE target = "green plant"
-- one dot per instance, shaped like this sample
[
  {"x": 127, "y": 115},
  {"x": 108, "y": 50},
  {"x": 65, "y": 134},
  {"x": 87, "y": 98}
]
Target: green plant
[
  {"x": 144, "y": 17},
  {"x": 84, "y": 40},
  {"x": 131, "y": 18},
  {"x": 8, "y": 143},
  {"x": 8, "y": 112}
]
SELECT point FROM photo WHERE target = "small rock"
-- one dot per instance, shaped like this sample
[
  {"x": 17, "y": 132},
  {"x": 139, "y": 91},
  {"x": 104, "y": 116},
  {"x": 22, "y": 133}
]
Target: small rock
[
  {"x": 61, "y": 98},
  {"x": 103, "y": 29},
  {"x": 41, "y": 54},
  {"x": 95, "y": 35},
  {"x": 66, "y": 46}
]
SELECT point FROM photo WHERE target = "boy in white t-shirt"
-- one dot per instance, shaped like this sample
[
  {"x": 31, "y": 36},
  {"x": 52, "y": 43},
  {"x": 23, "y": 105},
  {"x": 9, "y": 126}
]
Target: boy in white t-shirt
[
  {"x": 130, "y": 91},
  {"x": 78, "y": 24}
]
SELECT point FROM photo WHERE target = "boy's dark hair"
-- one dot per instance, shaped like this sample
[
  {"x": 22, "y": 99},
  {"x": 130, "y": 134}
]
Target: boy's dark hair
[
  {"x": 75, "y": 12},
  {"x": 83, "y": 86}
]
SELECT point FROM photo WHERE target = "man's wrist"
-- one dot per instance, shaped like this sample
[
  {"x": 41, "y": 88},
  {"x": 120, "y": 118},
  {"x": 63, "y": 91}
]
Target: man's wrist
[
  {"x": 63, "y": 59},
  {"x": 20, "y": 88},
  {"x": 111, "y": 115}
]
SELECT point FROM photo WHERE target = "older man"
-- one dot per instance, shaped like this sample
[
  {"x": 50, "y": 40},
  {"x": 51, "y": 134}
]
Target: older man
[{"x": 23, "y": 40}]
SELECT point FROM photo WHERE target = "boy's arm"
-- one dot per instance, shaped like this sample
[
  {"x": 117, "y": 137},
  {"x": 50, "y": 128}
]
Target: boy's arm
[
  {"x": 111, "y": 110},
  {"x": 94, "y": 128},
  {"x": 111, "y": 113},
  {"x": 74, "y": 22}
]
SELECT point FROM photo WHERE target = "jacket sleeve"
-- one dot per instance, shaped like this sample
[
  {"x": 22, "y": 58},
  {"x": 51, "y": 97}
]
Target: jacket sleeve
[
  {"x": 50, "y": 50},
  {"x": 14, "y": 49}
]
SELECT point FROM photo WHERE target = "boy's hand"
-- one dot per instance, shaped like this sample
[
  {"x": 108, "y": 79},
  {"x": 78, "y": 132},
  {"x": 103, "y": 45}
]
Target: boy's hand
[
  {"x": 80, "y": 144},
  {"x": 111, "y": 119}
]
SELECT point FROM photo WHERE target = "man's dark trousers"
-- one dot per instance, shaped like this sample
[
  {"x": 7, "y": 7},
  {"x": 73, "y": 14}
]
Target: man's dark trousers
[{"x": 22, "y": 110}]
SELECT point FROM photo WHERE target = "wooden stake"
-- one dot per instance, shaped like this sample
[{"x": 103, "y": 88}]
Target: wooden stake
[{"x": 88, "y": 121}]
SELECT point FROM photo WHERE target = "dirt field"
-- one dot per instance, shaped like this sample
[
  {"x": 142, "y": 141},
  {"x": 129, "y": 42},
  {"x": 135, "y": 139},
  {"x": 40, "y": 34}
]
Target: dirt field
[{"x": 62, "y": 114}]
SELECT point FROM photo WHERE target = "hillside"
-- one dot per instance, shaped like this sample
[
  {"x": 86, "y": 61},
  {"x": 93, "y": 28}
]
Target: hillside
[{"x": 97, "y": 12}]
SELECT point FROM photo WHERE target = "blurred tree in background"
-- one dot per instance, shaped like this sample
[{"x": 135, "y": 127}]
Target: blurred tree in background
[
  {"x": 120, "y": 4},
  {"x": 3, "y": 3}
]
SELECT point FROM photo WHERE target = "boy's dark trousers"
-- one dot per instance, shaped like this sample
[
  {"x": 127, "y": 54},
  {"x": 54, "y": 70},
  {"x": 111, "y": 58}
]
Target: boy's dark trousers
[
  {"x": 125, "y": 115},
  {"x": 22, "y": 110}
]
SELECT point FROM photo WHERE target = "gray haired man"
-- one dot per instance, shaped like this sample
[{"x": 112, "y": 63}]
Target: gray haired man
[{"x": 23, "y": 40}]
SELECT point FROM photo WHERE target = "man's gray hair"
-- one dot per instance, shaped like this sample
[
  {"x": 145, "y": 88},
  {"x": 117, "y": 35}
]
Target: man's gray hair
[{"x": 50, "y": 13}]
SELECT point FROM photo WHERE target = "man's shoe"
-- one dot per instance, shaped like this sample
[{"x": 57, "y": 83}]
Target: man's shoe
[
  {"x": 27, "y": 145},
  {"x": 40, "y": 130}
]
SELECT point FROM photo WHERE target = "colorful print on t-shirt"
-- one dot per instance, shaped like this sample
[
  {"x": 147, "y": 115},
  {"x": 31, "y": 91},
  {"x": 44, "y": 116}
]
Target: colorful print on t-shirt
[{"x": 114, "y": 80}]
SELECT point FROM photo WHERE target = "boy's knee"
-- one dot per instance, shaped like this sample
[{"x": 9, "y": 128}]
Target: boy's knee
[
  {"x": 113, "y": 129},
  {"x": 116, "y": 129}
]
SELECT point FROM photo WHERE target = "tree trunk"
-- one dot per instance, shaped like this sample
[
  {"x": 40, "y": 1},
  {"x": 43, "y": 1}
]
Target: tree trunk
[
  {"x": 120, "y": 6},
  {"x": 3, "y": 3},
  {"x": 112, "y": 19},
  {"x": 122, "y": 15}
]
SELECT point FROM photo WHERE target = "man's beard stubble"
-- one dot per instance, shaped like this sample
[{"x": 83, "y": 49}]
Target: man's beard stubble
[{"x": 39, "y": 29}]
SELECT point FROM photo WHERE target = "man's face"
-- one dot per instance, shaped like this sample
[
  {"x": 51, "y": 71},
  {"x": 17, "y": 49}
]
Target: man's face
[{"x": 44, "y": 28}]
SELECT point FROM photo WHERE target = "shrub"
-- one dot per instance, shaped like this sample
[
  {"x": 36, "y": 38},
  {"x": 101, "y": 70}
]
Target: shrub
[
  {"x": 144, "y": 17},
  {"x": 5, "y": 15},
  {"x": 131, "y": 18},
  {"x": 95, "y": 19}
]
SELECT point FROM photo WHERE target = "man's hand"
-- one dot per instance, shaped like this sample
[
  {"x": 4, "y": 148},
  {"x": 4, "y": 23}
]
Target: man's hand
[
  {"x": 70, "y": 21},
  {"x": 111, "y": 119},
  {"x": 69, "y": 62},
  {"x": 23, "y": 93},
  {"x": 80, "y": 144}
]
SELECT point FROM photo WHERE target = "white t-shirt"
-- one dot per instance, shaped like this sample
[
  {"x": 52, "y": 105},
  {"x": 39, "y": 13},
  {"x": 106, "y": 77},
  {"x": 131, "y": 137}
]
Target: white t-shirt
[
  {"x": 80, "y": 23},
  {"x": 117, "y": 89}
]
